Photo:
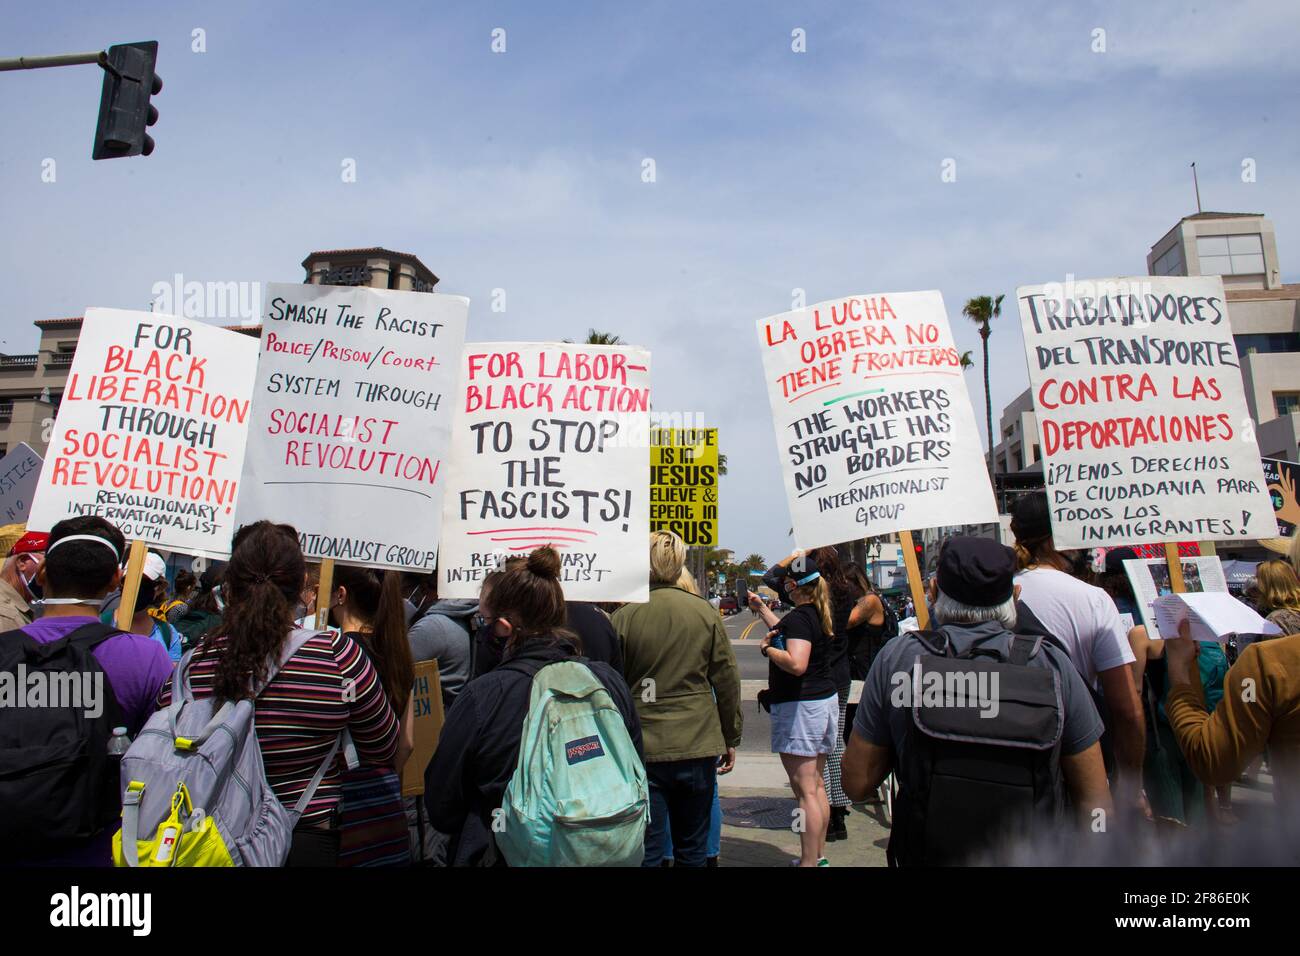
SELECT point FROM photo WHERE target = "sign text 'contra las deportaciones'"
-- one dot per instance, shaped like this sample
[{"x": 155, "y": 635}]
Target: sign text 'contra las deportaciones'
[{"x": 1142, "y": 419}]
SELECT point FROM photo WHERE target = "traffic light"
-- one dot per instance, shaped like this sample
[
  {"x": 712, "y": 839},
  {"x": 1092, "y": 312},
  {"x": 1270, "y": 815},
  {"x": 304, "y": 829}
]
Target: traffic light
[
  {"x": 920, "y": 555},
  {"x": 124, "y": 107}
]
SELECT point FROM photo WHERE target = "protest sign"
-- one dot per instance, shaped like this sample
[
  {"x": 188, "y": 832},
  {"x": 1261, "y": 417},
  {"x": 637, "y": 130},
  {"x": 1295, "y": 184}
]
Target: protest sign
[
  {"x": 872, "y": 418},
  {"x": 351, "y": 416},
  {"x": 550, "y": 446},
  {"x": 19, "y": 472},
  {"x": 684, "y": 483},
  {"x": 1150, "y": 579},
  {"x": 427, "y": 719},
  {"x": 1282, "y": 479},
  {"x": 1144, "y": 431},
  {"x": 151, "y": 430}
]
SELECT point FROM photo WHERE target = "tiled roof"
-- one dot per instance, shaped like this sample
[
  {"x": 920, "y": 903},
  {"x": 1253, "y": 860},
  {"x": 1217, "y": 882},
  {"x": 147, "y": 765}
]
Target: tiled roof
[
  {"x": 367, "y": 251},
  {"x": 71, "y": 322},
  {"x": 354, "y": 252}
]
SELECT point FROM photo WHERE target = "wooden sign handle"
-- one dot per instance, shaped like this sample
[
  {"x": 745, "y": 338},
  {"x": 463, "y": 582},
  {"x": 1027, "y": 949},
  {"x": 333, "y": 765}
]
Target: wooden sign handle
[
  {"x": 914, "y": 580},
  {"x": 324, "y": 588},
  {"x": 131, "y": 585},
  {"x": 1175, "y": 562}
]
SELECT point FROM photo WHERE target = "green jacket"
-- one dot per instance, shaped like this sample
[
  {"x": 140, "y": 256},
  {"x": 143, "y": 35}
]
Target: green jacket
[{"x": 677, "y": 641}]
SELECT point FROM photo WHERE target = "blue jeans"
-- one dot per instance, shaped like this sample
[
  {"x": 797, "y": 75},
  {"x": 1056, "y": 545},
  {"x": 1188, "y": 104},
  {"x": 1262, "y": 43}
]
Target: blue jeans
[
  {"x": 681, "y": 800},
  {"x": 715, "y": 831}
]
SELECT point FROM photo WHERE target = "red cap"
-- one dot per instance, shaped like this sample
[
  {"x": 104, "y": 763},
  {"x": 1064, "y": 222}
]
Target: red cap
[{"x": 33, "y": 542}]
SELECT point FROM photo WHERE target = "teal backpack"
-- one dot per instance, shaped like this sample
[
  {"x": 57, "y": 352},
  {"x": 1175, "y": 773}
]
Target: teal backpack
[{"x": 579, "y": 795}]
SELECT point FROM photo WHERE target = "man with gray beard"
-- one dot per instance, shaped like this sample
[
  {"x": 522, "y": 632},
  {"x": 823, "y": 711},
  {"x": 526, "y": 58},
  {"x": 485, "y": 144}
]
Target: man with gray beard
[{"x": 981, "y": 726}]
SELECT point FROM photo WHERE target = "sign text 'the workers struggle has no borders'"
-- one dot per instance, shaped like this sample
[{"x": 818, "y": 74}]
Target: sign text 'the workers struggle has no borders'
[{"x": 872, "y": 417}]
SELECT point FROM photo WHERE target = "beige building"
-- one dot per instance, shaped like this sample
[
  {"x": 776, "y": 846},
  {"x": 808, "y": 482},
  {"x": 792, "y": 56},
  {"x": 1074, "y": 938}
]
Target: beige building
[
  {"x": 1265, "y": 316},
  {"x": 1264, "y": 311},
  {"x": 31, "y": 385}
]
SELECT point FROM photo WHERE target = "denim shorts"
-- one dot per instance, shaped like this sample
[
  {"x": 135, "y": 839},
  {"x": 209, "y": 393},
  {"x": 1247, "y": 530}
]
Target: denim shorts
[{"x": 806, "y": 728}]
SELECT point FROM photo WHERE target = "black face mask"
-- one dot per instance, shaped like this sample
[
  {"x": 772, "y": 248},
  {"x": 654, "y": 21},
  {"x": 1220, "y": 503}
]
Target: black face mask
[
  {"x": 34, "y": 588},
  {"x": 145, "y": 598}
]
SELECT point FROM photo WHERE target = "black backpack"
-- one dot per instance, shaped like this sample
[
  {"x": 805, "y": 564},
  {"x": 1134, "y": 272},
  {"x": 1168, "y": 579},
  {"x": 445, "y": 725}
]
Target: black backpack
[
  {"x": 58, "y": 786},
  {"x": 863, "y": 647},
  {"x": 967, "y": 781}
]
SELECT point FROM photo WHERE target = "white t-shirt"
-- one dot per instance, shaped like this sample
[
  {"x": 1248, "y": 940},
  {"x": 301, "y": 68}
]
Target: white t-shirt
[{"x": 1082, "y": 617}]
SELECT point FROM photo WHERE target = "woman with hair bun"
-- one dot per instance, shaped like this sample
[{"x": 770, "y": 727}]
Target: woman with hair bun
[{"x": 479, "y": 746}]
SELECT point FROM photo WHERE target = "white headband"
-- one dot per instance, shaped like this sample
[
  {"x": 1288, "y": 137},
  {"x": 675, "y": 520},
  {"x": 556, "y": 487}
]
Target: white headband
[{"x": 86, "y": 537}]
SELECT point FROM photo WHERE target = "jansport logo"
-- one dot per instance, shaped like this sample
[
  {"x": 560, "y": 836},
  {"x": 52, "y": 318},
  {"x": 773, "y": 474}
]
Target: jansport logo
[
  {"x": 74, "y": 909},
  {"x": 586, "y": 748}
]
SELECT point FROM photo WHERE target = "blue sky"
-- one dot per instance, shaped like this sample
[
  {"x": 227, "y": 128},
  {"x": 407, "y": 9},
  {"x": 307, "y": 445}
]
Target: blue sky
[{"x": 775, "y": 170}]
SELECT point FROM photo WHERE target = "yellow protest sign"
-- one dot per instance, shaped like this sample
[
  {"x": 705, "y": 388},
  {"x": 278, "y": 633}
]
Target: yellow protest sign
[{"x": 684, "y": 483}]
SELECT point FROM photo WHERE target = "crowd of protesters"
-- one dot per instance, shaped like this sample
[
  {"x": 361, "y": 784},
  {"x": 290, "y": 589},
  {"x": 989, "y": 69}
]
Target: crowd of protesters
[{"x": 1085, "y": 715}]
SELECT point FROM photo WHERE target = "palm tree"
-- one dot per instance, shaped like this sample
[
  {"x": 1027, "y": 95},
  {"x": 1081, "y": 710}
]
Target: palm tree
[
  {"x": 982, "y": 310},
  {"x": 604, "y": 338},
  {"x": 966, "y": 360}
]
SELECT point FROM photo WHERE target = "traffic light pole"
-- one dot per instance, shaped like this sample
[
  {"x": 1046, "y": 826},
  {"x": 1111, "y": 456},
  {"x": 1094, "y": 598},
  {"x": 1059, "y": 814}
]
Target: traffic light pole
[
  {"x": 60, "y": 59},
  {"x": 130, "y": 81}
]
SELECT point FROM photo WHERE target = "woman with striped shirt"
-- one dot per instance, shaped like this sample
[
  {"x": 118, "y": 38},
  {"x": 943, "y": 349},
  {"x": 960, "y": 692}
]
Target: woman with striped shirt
[{"x": 328, "y": 687}]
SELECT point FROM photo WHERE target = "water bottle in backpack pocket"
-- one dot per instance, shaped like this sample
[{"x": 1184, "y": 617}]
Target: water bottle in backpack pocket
[{"x": 579, "y": 794}]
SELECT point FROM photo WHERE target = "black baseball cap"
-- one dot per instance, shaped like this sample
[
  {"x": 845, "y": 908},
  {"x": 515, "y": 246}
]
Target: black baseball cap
[{"x": 977, "y": 571}]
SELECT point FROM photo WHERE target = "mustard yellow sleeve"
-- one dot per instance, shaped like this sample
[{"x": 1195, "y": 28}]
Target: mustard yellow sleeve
[
  {"x": 11, "y": 619},
  {"x": 1218, "y": 746}
]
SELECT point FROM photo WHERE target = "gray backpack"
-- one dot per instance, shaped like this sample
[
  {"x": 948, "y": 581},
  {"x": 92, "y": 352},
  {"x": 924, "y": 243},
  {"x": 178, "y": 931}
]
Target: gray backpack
[{"x": 194, "y": 790}]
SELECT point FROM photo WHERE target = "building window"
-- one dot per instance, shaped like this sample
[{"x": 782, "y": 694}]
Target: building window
[
  {"x": 1037, "y": 453},
  {"x": 1286, "y": 403},
  {"x": 1230, "y": 255},
  {"x": 1252, "y": 342},
  {"x": 1170, "y": 262}
]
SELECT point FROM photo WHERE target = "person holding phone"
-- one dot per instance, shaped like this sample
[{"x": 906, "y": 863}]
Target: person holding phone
[{"x": 801, "y": 693}]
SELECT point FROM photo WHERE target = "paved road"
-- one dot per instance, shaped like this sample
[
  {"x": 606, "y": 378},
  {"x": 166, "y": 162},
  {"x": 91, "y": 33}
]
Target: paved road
[{"x": 753, "y": 667}]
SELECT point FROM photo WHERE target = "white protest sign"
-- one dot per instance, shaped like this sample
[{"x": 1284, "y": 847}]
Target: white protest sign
[
  {"x": 19, "y": 472},
  {"x": 1143, "y": 425},
  {"x": 151, "y": 430},
  {"x": 1149, "y": 578},
  {"x": 351, "y": 416},
  {"x": 872, "y": 417},
  {"x": 551, "y": 445}
]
